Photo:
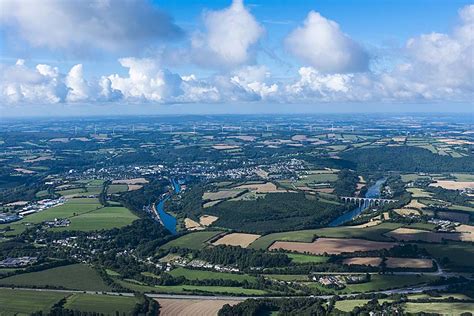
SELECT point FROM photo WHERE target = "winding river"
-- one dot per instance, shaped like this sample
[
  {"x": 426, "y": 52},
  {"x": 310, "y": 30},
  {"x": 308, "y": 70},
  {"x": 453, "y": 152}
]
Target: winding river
[
  {"x": 372, "y": 192},
  {"x": 168, "y": 220}
]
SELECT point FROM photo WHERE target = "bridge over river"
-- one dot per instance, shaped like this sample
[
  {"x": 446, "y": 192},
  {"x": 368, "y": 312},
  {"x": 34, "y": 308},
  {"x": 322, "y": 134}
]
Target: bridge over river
[{"x": 366, "y": 200}]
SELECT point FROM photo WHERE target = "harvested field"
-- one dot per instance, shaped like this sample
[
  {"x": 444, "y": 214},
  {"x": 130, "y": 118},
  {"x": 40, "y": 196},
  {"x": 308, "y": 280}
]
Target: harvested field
[
  {"x": 367, "y": 261},
  {"x": 179, "y": 307},
  {"x": 410, "y": 234},
  {"x": 365, "y": 225},
  {"x": 237, "y": 239},
  {"x": 409, "y": 263},
  {"x": 332, "y": 245},
  {"x": 25, "y": 171},
  {"x": 418, "y": 193},
  {"x": 192, "y": 225},
  {"x": 453, "y": 185},
  {"x": 221, "y": 195},
  {"x": 415, "y": 204},
  {"x": 326, "y": 190},
  {"x": 207, "y": 220},
  {"x": 224, "y": 147},
  {"x": 212, "y": 203},
  {"x": 267, "y": 187},
  {"x": 467, "y": 232},
  {"x": 133, "y": 187},
  {"x": 406, "y": 211},
  {"x": 131, "y": 181}
]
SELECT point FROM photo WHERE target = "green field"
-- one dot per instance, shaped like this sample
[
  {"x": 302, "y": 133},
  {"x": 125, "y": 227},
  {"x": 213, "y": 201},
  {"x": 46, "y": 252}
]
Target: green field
[
  {"x": 385, "y": 282},
  {"x": 463, "y": 176},
  {"x": 378, "y": 283},
  {"x": 72, "y": 207},
  {"x": 186, "y": 289},
  {"x": 458, "y": 254},
  {"x": 452, "y": 308},
  {"x": 194, "y": 240},
  {"x": 372, "y": 233},
  {"x": 288, "y": 277},
  {"x": 104, "y": 304},
  {"x": 74, "y": 277},
  {"x": 210, "y": 275},
  {"x": 105, "y": 218},
  {"x": 25, "y": 302},
  {"x": 300, "y": 258},
  {"x": 348, "y": 305},
  {"x": 117, "y": 188}
]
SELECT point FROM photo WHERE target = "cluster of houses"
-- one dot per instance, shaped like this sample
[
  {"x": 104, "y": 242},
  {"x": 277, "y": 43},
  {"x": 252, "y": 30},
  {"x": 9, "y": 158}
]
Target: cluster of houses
[
  {"x": 17, "y": 262},
  {"x": 30, "y": 208},
  {"x": 340, "y": 281},
  {"x": 58, "y": 222},
  {"x": 40, "y": 206}
]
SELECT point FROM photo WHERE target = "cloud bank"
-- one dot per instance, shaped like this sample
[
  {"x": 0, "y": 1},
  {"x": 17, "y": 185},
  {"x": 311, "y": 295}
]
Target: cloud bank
[
  {"x": 334, "y": 67},
  {"x": 76, "y": 26}
]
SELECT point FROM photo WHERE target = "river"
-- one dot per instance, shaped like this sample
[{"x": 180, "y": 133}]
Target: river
[
  {"x": 372, "y": 192},
  {"x": 168, "y": 220}
]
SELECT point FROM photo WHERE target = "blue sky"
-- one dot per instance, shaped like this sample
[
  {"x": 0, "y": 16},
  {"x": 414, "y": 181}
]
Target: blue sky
[{"x": 203, "y": 55}]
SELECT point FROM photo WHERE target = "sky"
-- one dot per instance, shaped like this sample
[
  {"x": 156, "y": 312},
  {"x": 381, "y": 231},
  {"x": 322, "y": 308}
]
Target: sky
[{"x": 100, "y": 57}]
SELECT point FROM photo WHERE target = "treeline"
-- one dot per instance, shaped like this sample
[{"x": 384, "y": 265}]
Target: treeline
[
  {"x": 242, "y": 257},
  {"x": 406, "y": 159},
  {"x": 276, "y": 212},
  {"x": 144, "y": 307},
  {"x": 233, "y": 255},
  {"x": 293, "y": 306},
  {"x": 451, "y": 196}
]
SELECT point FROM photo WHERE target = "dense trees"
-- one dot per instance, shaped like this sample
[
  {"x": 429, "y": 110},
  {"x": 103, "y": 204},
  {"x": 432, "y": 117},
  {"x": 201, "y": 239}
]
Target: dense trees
[
  {"x": 346, "y": 183},
  {"x": 275, "y": 212},
  {"x": 406, "y": 159},
  {"x": 242, "y": 257},
  {"x": 293, "y": 306}
]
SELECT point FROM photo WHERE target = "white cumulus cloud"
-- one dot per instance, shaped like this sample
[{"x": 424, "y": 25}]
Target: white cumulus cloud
[
  {"x": 321, "y": 43},
  {"x": 229, "y": 37}
]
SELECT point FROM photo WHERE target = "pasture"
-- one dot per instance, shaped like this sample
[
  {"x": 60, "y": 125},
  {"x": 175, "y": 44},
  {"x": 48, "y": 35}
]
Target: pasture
[
  {"x": 104, "y": 218},
  {"x": 221, "y": 195},
  {"x": 178, "y": 307},
  {"x": 194, "y": 240},
  {"x": 104, "y": 304},
  {"x": 375, "y": 232},
  {"x": 187, "y": 289},
  {"x": 300, "y": 258},
  {"x": 74, "y": 277},
  {"x": 236, "y": 239},
  {"x": 71, "y": 208},
  {"x": 415, "y": 263},
  {"x": 26, "y": 302},
  {"x": 117, "y": 188},
  {"x": 210, "y": 275},
  {"x": 385, "y": 282},
  {"x": 444, "y": 308},
  {"x": 332, "y": 245},
  {"x": 410, "y": 234}
]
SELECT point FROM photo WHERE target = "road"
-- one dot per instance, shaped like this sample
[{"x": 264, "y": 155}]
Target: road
[{"x": 409, "y": 290}]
